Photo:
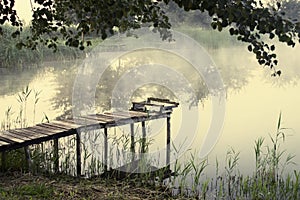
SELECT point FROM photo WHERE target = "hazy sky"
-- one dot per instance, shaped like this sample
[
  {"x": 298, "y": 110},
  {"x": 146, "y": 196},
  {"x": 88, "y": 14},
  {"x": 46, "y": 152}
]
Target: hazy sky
[{"x": 23, "y": 9}]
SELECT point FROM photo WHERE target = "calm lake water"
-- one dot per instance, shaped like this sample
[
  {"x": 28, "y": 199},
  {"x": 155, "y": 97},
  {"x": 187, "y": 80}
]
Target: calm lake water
[{"x": 254, "y": 101}]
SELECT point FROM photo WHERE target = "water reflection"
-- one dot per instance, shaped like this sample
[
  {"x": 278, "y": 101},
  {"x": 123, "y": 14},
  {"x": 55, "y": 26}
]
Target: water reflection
[{"x": 253, "y": 104}]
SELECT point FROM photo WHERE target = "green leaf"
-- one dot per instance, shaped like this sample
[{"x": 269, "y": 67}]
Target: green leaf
[
  {"x": 272, "y": 47},
  {"x": 250, "y": 48},
  {"x": 279, "y": 120}
]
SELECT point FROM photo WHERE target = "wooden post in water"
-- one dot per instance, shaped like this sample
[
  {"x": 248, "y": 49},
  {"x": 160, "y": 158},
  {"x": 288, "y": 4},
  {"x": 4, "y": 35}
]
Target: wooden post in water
[
  {"x": 105, "y": 150},
  {"x": 56, "y": 156},
  {"x": 143, "y": 137},
  {"x": 132, "y": 145},
  {"x": 168, "y": 141},
  {"x": 78, "y": 153}
]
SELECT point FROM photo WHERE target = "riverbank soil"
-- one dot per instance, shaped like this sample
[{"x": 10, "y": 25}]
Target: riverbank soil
[{"x": 14, "y": 186}]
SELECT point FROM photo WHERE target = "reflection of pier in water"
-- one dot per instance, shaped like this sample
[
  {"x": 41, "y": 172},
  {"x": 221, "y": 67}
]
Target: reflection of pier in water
[{"x": 151, "y": 109}]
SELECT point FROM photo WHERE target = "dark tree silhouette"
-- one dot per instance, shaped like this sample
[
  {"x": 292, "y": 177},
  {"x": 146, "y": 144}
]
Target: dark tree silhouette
[{"x": 247, "y": 19}]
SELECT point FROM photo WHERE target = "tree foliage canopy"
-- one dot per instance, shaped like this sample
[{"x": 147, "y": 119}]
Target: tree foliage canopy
[{"x": 73, "y": 20}]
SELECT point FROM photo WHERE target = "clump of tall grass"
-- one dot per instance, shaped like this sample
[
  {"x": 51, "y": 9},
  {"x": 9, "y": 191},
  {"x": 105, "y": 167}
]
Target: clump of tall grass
[
  {"x": 267, "y": 182},
  {"x": 12, "y": 57}
]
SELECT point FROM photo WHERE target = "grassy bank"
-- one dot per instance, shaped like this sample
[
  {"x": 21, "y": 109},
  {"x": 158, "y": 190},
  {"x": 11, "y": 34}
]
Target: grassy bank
[{"x": 25, "y": 186}]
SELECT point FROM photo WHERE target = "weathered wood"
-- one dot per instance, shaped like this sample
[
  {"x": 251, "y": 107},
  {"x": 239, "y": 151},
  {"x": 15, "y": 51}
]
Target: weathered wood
[
  {"x": 132, "y": 144},
  {"x": 117, "y": 116},
  {"x": 29, "y": 133},
  {"x": 29, "y": 136},
  {"x": 54, "y": 127},
  {"x": 143, "y": 149},
  {"x": 10, "y": 138},
  {"x": 56, "y": 155},
  {"x": 164, "y": 101},
  {"x": 100, "y": 118},
  {"x": 60, "y": 126},
  {"x": 105, "y": 150},
  {"x": 78, "y": 153},
  {"x": 47, "y": 131},
  {"x": 130, "y": 114},
  {"x": 168, "y": 141},
  {"x": 70, "y": 124},
  {"x": 2, "y": 143},
  {"x": 80, "y": 121},
  {"x": 96, "y": 120},
  {"x": 14, "y": 144},
  {"x": 28, "y": 158}
]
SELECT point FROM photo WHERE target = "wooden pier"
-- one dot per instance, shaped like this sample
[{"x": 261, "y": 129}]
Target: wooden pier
[{"x": 151, "y": 109}]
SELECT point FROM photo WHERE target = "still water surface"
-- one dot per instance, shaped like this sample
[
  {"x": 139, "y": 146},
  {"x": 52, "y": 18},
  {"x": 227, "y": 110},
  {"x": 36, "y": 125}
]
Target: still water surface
[{"x": 254, "y": 101}]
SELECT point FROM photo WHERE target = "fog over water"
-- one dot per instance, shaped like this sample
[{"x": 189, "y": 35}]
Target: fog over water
[{"x": 253, "y": 103}]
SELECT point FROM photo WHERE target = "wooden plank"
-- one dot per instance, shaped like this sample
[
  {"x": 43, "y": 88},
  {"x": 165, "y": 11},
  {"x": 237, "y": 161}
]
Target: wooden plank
[
  {"x": 2, "y": 143},
  {"x": 23, "y": 135},
  {"x": 12, "y": 137},
  {"x": 54, "y": 127},
  {"x": 97, "y": 121},
  {"x": 28, "y": 132},
  {"x": 131, "y": 114},
  {"x": 72, "y": 125},
  {"x": 17, "y": 136},
  {"x": 5, "y": 139},
  {"x": 88, "y": 124},
  {"x": 31, "y": 132},
  {"x": 59, "y": 125},
  {"x": 137, "y": 113},
  {"x": 101, "y": 118},
  {"x": 165, "y": 101},
  {"x": 116, "y": 115},
  {"x": 86, "y": 121},
  {"x": 39, "y": 129}
]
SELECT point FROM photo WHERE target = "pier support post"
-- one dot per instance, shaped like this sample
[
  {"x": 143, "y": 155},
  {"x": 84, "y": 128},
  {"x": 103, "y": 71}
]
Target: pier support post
[
  {"x": 143, "y": 149},
  {"x": 132, "y": 145},
  {"x": 105, "y": 150},
  {"x": 78, "y": 153},
  {"x": 56, "y": 156},
  {"x": 28, "y": 159},
  {"x": 3, "y": 161},
  {"x": 168, "y": 142}
]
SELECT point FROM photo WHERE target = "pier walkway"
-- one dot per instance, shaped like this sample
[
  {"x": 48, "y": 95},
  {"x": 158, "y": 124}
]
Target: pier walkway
[{"x": 151, "y": 109}]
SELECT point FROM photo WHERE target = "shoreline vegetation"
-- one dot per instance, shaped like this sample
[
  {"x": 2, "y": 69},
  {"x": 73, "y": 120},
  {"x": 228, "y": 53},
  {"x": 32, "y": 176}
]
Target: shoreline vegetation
[{"x": 13, "y": 58}]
